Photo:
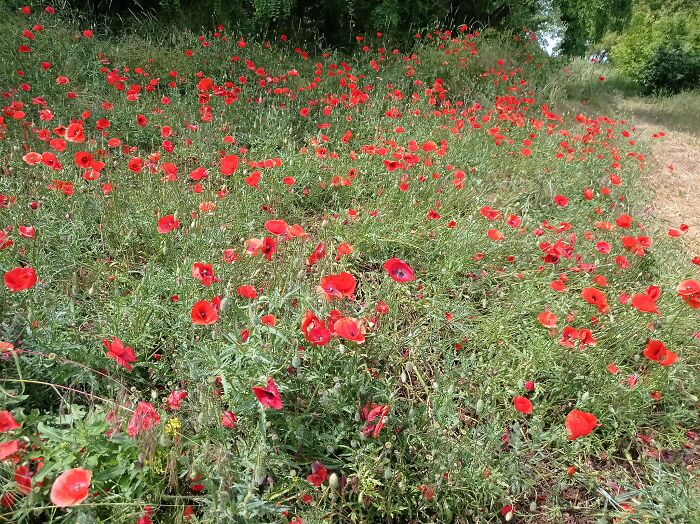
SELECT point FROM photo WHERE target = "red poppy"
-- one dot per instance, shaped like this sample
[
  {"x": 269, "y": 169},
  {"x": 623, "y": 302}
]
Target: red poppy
[
  {"x": 319, "y": 474},
  {"x": 378, "y": 413},
  {"x": 276, "y": 227},
  {"x": 523, "y": 405},
  {"x": 20, "y": 278},
  {"x": 645, "y": 303},
  {"x": 229, "y": 419},
  {"x": 561, "y": 200},
  {"x": 597, "y": 298},
  {"x": 547, "y": 319},
  {"x": 315, "y": 330},
  {"x": 338, "y": 286},
  {"x": 247, "y": 291},
  {"x": 398, "y": 270},
  {"x": 7, "y": 449},
  {"x": 167, "y": 224},
  {"x": 579, "y": 424},
  {"x": 7, "y": 422},
  {"x": 71, "y": 487},
  {"x": 349, "y": 329},
  {"x": 144, "y": 418},
  {"x": 689, "y": 291},
  {"x": 121, "y": 354},
  {"x": 175, "y": 397},
  {"x": 343, "y": 249},
  {"x": 204, "y": 273},
  {"x": 569, "y": 336},
  {"x": 23, "y": 479},
  {"x": 269, "y": 247},
  {"x": 495, "y": 235},
  {"x": 229, "y": 165},
  {"x": 203, "y": 313},
  {"x": 656, "y": 350},
  {"x": 268, "y": 396},
  {"x": 688, "y": 288}
]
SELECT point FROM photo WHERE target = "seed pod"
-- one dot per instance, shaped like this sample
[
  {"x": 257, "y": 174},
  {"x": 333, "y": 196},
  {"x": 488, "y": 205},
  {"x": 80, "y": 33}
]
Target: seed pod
[{"x": 333, "y": 482}]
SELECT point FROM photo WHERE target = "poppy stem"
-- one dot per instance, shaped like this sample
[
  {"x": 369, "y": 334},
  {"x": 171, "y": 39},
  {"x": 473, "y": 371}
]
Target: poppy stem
[{"x": 67, "y": 388}]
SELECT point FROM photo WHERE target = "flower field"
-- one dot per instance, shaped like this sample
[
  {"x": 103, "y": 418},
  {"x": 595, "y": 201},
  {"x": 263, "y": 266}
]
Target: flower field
[{"x": 254, "y": 280}]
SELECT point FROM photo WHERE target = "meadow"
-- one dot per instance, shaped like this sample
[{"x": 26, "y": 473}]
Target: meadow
[{"x": 257, "y": 280}]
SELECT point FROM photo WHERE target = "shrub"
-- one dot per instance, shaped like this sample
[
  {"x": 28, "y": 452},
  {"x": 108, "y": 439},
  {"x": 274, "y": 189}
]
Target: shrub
[{"x": 670, "y": 69}]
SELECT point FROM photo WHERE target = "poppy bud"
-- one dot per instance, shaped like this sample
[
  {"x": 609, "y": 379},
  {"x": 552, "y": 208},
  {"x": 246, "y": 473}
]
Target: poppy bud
[{"x": 333, "y": 482}]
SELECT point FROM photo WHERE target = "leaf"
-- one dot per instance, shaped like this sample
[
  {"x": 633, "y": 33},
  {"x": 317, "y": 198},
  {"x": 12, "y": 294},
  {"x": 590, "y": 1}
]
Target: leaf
[{"x": 55, "y": 434}]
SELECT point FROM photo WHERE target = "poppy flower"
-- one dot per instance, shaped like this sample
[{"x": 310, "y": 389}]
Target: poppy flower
[
  {"x": 561, "y": 200},
  {"x": 597, "y": 298},
  {"x": 319, "y": 474},
  {"x": 378, "y": 413},
  {"x": 203, "y": 313},
  {"x": 268, "y": 320},
  {"x": 656, "y": 350},
  {"x": 315, "y": 330},
  {"x": 20, "y": 278},
  {"x": 204, "y": 273},
  {"x": 144, "y": 418},
  {"x": 276, "y": 227},
  {"x": 121, "y": 354},
  {"x": 229, "y": 165},
  {"x": 71, "y": 487},
  {"x": 349, "y": 329},
  {"x": 175, "y": 397},
  {"x": 23, "y": 479},
  {"x": 645, "y": 303},
  {"x": 318, "y": 254},
  {"x": 268, "y": 247},
  {"x": 523, "y": 405},
  {"x": 247, "y": 291},
  {"x": 229, "y": 419},
  {"x": 338, "y": 286},
  {"x": 688, "y": 288},
  {"x": 7, "y": 449},
  {"x": 569, "y": 336},
  {"x": 579, "y": 424},
  {"x": 689, "y": 291},
  {"x": 547, "y": 319},
  {"x": 343, "y": 249},
  {"x": 7, "y": 422},
  {"x": 268, "y": 396},
  {"x": 495, "y": 235},
  {"x": 167, "y": 224},
  {"x": 398, "y": 270}
]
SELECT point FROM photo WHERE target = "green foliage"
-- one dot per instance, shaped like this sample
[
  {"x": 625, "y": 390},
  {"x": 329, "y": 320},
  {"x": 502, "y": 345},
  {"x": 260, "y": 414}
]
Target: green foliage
[
  {"x": 586, "y": 21},
  {"x": 670, "y": 69},
  {"x": 337, "y": 22},
  {"x": 659, "y": 47}
]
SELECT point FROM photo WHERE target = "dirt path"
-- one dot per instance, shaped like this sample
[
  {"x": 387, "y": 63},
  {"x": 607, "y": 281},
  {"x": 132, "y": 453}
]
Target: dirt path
[{"x": 674, "y": 176}]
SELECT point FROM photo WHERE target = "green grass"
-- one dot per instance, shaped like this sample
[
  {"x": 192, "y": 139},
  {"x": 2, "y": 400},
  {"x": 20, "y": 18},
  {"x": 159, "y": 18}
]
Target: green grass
[
  {"x": 457, "y": 344},
  {"x": 618, "y": 95}
]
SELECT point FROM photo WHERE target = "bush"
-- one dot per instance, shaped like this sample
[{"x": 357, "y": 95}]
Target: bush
[{"x": 670, "y": 69}]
